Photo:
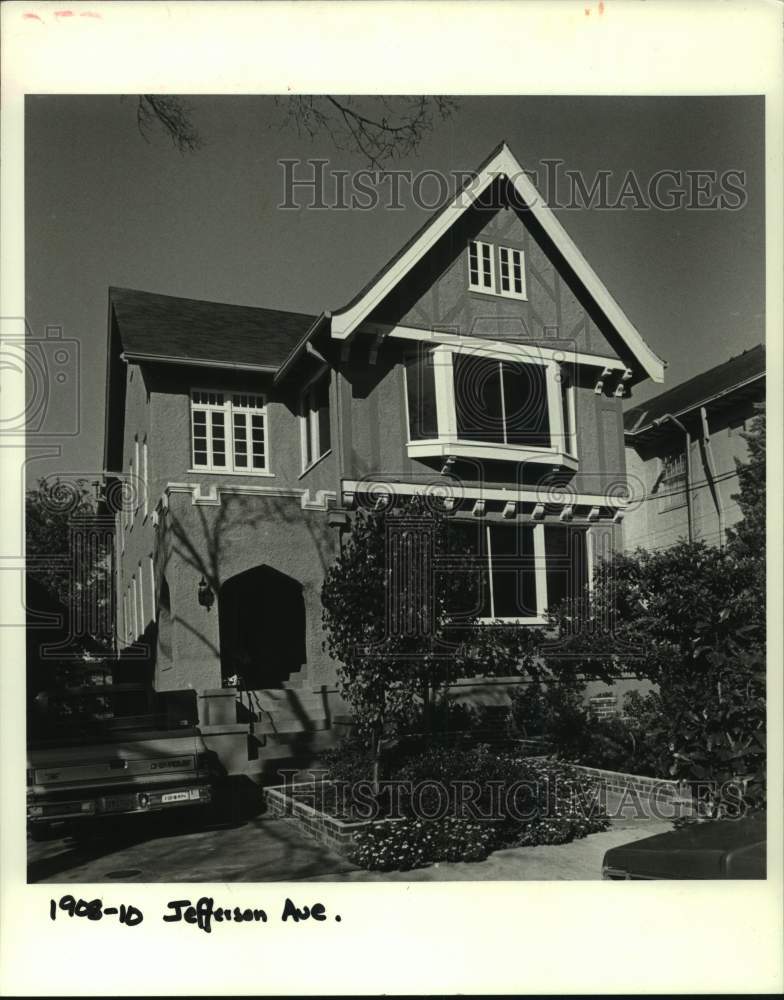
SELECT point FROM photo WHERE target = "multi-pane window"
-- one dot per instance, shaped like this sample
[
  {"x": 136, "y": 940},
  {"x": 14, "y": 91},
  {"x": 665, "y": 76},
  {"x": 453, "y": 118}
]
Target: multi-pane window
[
  {"x": 316, "y": 431},
  {"x": 512, "y": 270},
  {"x": 229, "y": 431},
  {"x": 672, "y": 482},
  {"x": 484, "y": 259},
  {"x": 503, "y": 402},
  {"x": 481, "y": 270}
]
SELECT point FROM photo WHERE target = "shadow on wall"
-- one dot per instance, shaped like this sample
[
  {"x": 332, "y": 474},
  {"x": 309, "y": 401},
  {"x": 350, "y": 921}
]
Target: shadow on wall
[{"x": 261, "y": 610}]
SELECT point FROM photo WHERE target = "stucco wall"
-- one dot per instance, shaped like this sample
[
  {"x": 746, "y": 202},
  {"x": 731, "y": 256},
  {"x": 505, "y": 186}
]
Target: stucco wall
[{"x": 218, "y": 542}]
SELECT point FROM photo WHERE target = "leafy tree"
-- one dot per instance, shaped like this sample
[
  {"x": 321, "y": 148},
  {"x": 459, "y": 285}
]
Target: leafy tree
[
  {"x": 391, "y": 618},
  {"x": 58, "y": 581},
  {"x": 688, "y": 619}
]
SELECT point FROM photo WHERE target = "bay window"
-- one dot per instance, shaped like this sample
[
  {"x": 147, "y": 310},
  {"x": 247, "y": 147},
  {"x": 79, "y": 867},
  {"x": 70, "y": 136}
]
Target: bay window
[
  {"x": 490, "y": 403},
  {"x": 229, "y": 432}
]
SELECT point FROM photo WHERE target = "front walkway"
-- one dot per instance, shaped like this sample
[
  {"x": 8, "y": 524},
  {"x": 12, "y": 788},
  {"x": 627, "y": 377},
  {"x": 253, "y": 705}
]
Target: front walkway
[{"x": 274, "y": 850}]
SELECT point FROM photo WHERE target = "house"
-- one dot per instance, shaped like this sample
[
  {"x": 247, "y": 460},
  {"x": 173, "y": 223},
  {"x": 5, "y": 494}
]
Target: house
[
  {"x": 681, "y": 449},
  {"x": 484, "y": 366}
]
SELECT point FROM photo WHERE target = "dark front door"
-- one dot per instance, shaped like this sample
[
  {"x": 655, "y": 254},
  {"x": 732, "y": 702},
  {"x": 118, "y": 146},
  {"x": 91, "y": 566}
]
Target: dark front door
[{"x": 262, "y": 627}]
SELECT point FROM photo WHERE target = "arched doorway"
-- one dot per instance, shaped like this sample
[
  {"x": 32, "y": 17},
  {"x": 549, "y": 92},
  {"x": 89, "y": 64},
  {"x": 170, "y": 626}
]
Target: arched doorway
[{"x": 262, "y": 627}]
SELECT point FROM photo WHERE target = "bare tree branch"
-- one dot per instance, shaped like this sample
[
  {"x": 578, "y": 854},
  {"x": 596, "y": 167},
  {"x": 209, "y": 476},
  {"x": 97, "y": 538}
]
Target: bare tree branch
[
  {"x": 172, "y": 115},
  {"x": 379, "y": 128}
]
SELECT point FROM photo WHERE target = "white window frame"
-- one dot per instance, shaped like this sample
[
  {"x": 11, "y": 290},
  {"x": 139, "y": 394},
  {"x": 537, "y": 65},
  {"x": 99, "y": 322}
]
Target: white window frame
[
  {"x": 540, "y": 575},
  {"x": 511, "y": 293},
  {"x": 448, "y": 441},
  {"x": 480, "y": 286},
  {"x": 228, "y": 407},
  {"x": 570, "y": 438},
  {"x": 138, "y": 468},
  {"x": 308, "y": 421},
  {"x": 126, "y": 620}
]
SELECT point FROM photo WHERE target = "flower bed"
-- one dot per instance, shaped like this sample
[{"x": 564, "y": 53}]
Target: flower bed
[{"x": 428, "y": 811}]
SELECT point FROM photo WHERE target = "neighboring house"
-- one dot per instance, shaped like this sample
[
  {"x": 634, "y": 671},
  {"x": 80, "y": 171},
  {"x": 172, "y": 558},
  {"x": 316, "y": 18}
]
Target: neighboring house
[
  {"x": 681, "y": 448},
  {"x": 485, "y": 365}
]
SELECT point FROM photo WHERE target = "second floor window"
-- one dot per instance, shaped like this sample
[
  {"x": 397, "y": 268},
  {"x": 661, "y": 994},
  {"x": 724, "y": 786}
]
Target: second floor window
[
  {"x": 316, "y": 433},
  {"x": 672, "y": 482},
  {"x": 501, "y": 401},
  {"x": 229, "y": 431}
]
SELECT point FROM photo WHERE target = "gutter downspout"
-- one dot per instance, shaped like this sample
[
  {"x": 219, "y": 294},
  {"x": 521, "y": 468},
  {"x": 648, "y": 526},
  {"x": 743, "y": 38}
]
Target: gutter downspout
[
  {"x": 711, "y": 471},
  {"x": 668, "y": 417}
]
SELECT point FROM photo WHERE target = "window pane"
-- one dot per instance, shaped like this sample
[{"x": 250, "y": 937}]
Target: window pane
[
  {"x": 199, "y": 437},
  {"x": 240, "y": 441},
  {"x": 218, "y": 438},
  {"x": 478, "y": 398},
  {"x": 487, "y": 280},
  {"x": 525, "y": 400},
  {"x": 513, "y": 572},
  {"x": 322, "y": 405},
  {"x": 421, "y": 386},
  {"x": 567, "y": 567},
  {"x": 257, "y": 440},
  {"x": 467, "y": 586},
  {"x": 473, "y": 265},
  {"x": 517, "y": 270},
  {"x": 504, "y": 269}
]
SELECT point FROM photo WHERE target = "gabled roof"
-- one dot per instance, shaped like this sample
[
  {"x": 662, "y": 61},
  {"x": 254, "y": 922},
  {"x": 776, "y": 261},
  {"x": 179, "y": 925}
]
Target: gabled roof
[
  {"x": 730, "y": 376},
  {"x": 166, "y": 328},
  {"x": 501, "y": 163}
]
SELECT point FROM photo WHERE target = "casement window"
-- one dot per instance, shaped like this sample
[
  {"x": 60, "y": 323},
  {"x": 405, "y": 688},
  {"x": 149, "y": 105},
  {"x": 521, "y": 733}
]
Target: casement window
[
  {"x": 229, "y": 432},
  {"x": 521, "y": 569},
  {"x": 316, "y": 433},
  {"x": 672, "y": 481},
  {"x": 512, "y": 273},
  {"x": 145, "y": 478},
  {"x": 141, "y": 598},
  {"x": 137, "y": 466},
  {"x": 567, "y": 412},
  {"x": 135, "y": 610},
  {"x": 153, "y": 608},
  {"x": 421, "y": 396},
  {"x": 481, "y": 267},
  {"x": 496, "y": 270}
]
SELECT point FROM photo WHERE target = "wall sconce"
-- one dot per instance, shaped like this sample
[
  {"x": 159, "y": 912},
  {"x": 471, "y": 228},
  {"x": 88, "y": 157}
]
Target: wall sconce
[{"x": 206, "y": 596}]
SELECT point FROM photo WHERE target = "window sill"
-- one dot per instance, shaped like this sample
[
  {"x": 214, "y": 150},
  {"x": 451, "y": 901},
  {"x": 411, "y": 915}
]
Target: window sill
[
  {"x": 497, "y": 295},
  {"x": 255, "y": 474},
  {"x": 313, "y": 465},
  {"x": 490, "y": 451}
]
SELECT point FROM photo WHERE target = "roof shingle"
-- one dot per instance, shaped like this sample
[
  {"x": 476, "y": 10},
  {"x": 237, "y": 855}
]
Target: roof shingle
[{"x": 165, "y": 326}]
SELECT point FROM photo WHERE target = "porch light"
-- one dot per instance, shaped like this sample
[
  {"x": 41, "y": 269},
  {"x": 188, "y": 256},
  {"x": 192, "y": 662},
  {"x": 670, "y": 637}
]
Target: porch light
[{"x": 206, "y": 596}]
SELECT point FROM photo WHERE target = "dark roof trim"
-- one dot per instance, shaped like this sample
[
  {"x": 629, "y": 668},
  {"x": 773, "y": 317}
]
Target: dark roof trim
[
  {"x": 652, "y": 424},
  {"x": 195, "y": 362}
]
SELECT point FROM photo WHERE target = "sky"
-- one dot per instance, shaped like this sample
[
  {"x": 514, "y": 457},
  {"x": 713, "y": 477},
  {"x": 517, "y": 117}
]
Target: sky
[{"x": 104, "y": 206}]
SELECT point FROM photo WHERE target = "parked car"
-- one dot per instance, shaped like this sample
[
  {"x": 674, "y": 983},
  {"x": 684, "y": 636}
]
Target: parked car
[
  {"x": 726, "y": 848},
  {"x": 113, "y": 750}
]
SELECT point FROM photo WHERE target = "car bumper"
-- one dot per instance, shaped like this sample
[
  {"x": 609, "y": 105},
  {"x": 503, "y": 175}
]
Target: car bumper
[{"x": 118, "y": 803}]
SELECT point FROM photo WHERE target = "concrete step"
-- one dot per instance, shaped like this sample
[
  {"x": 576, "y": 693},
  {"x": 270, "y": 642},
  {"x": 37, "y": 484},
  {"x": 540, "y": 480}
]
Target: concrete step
[
  {"x": 286, "y": 699},
  {"x": 310, "y": 740}
]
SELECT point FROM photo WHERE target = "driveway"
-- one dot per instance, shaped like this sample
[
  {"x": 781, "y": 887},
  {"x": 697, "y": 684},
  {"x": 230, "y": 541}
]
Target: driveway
[{"x": 274, "y": 850}]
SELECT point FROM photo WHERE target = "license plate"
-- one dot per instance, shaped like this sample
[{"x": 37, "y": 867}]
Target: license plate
[
  {"x": 119, "y": 804},
  {"x": 175, "y": 797}
]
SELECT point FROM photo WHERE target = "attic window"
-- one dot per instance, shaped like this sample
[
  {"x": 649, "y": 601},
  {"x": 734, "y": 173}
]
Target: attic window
[{"x": 496, "y": 270}]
